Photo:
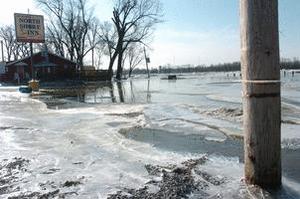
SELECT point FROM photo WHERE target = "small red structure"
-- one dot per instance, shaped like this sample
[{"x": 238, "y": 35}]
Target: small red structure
[{"x": 46, "y": 67}]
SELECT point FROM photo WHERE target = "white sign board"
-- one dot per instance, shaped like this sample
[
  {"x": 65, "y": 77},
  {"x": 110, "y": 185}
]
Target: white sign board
[{"x": 29, "y": 28}]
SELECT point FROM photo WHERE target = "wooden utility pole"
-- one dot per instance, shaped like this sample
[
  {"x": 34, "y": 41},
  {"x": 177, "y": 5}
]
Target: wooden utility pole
[
  {"x": 31, "y": 61},
  {"x": 147, "y": 61},
  {"x": 261, "y": 92}
]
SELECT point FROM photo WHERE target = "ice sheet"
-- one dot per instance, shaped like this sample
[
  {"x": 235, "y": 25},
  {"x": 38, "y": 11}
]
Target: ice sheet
[{"x": 83, "y": 143}]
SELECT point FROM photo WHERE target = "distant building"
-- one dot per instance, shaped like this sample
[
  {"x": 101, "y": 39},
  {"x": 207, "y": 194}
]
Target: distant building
[{"x": 47, "y": 67}]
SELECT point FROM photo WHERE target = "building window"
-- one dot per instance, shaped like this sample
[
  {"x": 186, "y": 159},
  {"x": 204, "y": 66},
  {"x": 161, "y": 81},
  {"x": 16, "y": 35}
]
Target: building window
[{"x": 49, "y": 70}]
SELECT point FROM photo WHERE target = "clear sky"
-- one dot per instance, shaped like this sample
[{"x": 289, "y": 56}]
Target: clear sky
[{"x": 194, "y": 31}]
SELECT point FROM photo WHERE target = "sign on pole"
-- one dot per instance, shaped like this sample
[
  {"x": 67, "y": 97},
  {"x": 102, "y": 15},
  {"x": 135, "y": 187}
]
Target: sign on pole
[
  {"x": 148, "y": 59},
  {"x": 29, "y": 28}
]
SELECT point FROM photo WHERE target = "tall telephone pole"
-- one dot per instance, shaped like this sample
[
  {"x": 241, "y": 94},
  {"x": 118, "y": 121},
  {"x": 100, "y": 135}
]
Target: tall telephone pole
[
  {"x": 147, "y": 61},
  {"x": 261, "y": 92}
]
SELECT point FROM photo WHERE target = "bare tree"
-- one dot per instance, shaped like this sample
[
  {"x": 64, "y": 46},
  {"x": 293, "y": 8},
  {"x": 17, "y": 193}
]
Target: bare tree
[
  {"x": 61, "y": 29},
  {"x": 135, "y": 56},
  {"x": 7, "y": 35},
  {"x": 95, "y": 42},
  {"x": 55, "y": 38},
  {"x": 13, "y": 49},
  {"x": 71, "y": 23},
  {"x": 134, "y": 21},
  {"x": 21, "y": 50},
  {"x": 82, "y": 27},
  {"x": 108, "y": 35},
  {"x": 99, "y": 53}
]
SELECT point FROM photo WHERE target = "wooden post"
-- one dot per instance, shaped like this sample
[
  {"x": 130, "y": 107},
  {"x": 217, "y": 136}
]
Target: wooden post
[
  {"x": 31, "y": 61},
  {"x": 146, "y": 59},
  {"x": 261, "y": 92}
]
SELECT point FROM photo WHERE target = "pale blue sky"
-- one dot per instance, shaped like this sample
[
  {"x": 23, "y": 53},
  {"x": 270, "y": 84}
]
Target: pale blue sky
[
  {"x": 194, "y": 31},
  {"x": 207, "y": 31}
]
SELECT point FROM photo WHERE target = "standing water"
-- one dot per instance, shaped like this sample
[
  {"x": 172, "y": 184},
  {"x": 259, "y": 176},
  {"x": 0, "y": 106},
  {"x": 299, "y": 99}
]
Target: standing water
[{"x": 138, "y": 138}]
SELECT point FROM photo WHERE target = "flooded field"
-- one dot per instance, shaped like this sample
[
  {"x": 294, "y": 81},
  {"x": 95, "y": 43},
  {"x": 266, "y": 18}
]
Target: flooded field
[{"x": 138, "y": 138}]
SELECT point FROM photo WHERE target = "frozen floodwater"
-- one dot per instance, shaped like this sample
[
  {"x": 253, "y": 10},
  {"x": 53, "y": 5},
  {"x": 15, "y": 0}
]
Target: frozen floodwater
[{"x": 98, "y": 141}]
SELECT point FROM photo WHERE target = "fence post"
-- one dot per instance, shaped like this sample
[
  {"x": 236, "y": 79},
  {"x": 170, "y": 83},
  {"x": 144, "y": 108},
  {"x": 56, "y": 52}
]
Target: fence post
[{"x": 261, "y": 92}]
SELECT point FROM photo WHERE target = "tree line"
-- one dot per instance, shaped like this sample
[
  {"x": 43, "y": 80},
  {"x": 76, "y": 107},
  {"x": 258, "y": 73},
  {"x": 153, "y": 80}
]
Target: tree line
[
  {"x": 286, "y": 64},
  {"x": 235, "y": 66},
  {"x": 73, "y": 31},
  {"x": 290, "y": 64}
]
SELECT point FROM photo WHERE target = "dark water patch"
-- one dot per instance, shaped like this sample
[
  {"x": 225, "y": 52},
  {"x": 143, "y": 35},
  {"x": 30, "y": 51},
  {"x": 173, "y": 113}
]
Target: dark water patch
[
  {"x": 51, "y": 171},
  {"x": 115, "y": 124},
  {"x": 127, "y": 115},
  {"x": 179, "y": 142},
  {"x": 291, "y": 164},
  {"x": 212, "y": 127}
]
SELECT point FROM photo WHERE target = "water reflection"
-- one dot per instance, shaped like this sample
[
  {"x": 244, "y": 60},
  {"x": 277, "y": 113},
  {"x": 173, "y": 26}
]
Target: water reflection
[
  {"x": 114, "y": 92},
  {"x": 148, "y": 92},
  {"x": 121, "y": 91},
  {"x": 205, "y": 90},
  {"x": 111, "y": 92}
]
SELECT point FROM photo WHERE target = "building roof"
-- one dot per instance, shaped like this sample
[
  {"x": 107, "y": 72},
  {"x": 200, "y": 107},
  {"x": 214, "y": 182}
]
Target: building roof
[{"x": 20, "y": 62}]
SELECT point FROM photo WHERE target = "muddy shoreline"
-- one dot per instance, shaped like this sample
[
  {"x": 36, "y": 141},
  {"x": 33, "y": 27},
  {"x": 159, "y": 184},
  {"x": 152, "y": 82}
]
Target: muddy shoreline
[
  {"x": 13, "y": 173},
  {"x": 186, "y": 180}
]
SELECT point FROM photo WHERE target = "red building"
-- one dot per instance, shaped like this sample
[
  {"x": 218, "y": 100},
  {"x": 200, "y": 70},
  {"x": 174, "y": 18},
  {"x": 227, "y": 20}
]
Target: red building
[{"x": 46, "y": 67}]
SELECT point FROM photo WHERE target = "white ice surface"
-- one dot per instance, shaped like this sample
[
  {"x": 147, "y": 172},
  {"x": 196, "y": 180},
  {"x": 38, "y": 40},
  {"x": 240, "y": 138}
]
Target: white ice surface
[{"x": 88, "y": 137}]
